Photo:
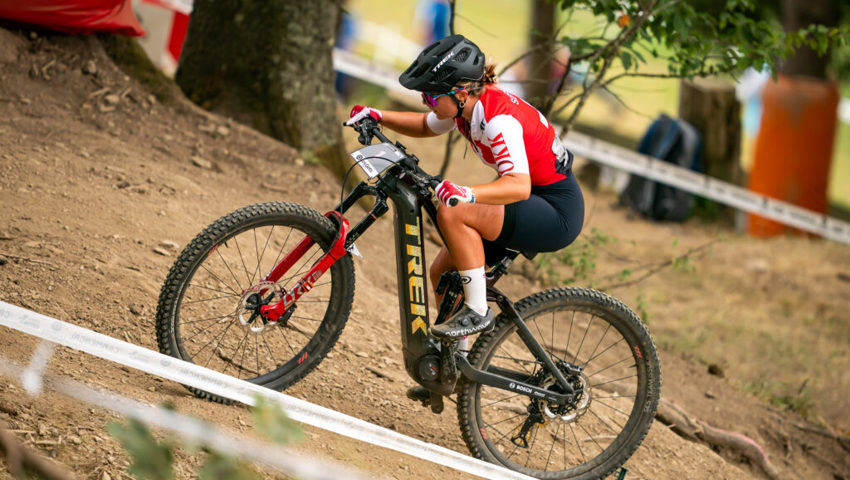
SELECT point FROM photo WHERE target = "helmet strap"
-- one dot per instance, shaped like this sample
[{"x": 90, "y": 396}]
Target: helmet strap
[{"x": 460, "y": 106}]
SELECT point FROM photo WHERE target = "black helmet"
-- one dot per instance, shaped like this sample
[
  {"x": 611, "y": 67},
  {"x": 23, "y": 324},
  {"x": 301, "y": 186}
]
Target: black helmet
[{"x": 444, "y": 64}]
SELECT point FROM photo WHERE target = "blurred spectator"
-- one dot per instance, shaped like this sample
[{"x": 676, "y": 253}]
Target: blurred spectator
[
  {"x": 432, "y": 18},
  {"x": 345, "y": 39},
  {"x": 748, "y": 91}
]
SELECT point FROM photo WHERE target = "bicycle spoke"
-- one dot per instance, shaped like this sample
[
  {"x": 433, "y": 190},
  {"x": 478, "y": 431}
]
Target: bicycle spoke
[
  {"x": 626, "y": 359},
  {"x": 226, "y": 265},
  {"x": 286, "y": 340},
  {"x": 551, "y": 449},
  {"x": 578, "y": 444},
  {"x": 271, "y": 354},
  {"x": 599, "y": 342},
  {"x": 212, "y": 355},
  {"x": 583, "y": 338},
  {"x": 601, "y": 420},
  {"x": 596, "y": 399},
  {"x": 612, "y": 381},
  {"x": 189, "y": 302},
  {"x": 282, "y": 246},
  {"x": 301, "y": 269},
  {"x": 501, "y": 400},
  {"x": 234, "y": 290},
  {"x": 242, "y": 260},
  {"x": 606, "y": 349}
]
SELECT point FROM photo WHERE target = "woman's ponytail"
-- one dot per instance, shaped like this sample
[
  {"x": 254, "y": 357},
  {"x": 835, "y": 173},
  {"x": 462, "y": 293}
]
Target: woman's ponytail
[{"x": 489, "y": 78}]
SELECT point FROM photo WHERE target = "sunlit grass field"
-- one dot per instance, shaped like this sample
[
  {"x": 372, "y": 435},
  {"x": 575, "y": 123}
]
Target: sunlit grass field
[{"x": 501, "y": 29}]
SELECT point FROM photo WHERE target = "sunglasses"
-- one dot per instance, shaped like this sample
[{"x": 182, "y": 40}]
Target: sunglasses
[{"x": 430, "y": 99}]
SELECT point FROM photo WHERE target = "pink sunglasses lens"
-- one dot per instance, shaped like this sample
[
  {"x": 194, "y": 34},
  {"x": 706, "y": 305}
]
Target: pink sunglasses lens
[{"x": 429, "y": 100}]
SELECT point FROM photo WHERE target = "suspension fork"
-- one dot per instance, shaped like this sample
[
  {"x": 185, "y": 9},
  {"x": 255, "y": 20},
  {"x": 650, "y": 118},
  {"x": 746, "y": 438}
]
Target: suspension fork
[
  {"x": 274, "y": 311},
  {"x": 338, "y": 249}
]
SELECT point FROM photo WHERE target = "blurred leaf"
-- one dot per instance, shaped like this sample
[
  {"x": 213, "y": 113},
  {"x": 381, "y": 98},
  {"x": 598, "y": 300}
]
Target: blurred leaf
[
  {"x": 273, "y": 423},
  {"x": 152, "y": 460},
  {"x": 221, "y": 467}
]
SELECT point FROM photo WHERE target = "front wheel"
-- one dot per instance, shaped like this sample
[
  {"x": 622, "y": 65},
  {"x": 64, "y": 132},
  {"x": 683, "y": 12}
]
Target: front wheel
[
  {"x": 604, "y": 351},
  {"x": 209, "y": 308}
]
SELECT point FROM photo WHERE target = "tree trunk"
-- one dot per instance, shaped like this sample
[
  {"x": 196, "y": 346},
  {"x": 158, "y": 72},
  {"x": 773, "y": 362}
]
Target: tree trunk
[
  {"x": 711, "y": 107},
  {"x": 268, "y": 65},
  {"x": 798, "y": 14},
  {"x": 541, "y": 43}
]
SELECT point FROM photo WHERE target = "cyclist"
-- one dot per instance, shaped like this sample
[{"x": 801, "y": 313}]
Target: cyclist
[{"x": 535, "y": 204}]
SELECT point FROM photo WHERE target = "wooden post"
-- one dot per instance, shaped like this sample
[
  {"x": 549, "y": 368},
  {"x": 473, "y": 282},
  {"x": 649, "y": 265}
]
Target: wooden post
[{"x": 711, "y": 107}]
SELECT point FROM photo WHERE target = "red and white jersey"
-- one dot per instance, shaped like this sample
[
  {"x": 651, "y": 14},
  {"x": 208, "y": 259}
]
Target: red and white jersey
[{"x": 509, "y": 135}]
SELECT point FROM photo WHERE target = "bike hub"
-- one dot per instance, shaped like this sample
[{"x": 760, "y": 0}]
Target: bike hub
[{"x": 251, "y": 302}]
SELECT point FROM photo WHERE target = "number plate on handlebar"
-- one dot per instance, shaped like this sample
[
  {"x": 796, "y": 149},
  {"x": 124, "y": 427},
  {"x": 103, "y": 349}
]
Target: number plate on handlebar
[{"x": 374, "y": 159}]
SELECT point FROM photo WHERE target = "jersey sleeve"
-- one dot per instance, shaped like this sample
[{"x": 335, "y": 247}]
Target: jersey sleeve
[
  {"x": 505, "y": 136},
  {"x": 439, "y": 126}
]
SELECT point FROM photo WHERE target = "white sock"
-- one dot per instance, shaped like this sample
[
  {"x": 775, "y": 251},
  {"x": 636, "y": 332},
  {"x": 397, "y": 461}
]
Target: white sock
[{"x": 475, "y": 289}]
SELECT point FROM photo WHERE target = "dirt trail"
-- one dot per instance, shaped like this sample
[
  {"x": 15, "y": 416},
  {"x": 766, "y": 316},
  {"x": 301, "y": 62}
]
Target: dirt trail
[{"x": 97, "y": 178}]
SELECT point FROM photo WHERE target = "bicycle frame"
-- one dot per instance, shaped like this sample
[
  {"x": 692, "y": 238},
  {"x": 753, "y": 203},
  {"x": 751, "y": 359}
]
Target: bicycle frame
[{"x": 421, "y": 351}]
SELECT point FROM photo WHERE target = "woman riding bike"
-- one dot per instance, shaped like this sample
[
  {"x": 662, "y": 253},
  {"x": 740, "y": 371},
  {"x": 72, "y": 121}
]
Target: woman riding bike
[{"x": 535, "y": 204}]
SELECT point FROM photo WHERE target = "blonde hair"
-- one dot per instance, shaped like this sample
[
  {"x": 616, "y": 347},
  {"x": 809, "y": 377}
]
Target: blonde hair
[{"x": 477, "y": 87}]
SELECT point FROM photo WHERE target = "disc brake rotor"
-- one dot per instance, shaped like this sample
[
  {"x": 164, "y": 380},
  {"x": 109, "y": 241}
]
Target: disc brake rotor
[{"x": 250, "y": 302}]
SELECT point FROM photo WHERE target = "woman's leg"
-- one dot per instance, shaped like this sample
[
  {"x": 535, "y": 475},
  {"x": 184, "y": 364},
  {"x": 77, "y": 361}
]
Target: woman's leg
[{"x": 463, "y": 226}]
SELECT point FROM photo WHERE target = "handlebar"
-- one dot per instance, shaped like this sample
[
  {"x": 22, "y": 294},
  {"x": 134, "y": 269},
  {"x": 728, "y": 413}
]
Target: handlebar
[{"x": 368, "y": 128}]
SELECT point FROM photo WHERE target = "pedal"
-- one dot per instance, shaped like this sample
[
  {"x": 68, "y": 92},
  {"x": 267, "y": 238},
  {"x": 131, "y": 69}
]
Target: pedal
[
  {"x": 426, "y": 397},
  {"x": 420, "y": 394},
  {"x": 436, "y": 403}
]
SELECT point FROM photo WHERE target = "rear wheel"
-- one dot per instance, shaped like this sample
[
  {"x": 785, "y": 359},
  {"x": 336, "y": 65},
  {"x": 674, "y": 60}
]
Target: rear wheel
[
  {"x": 208, "y": 310},
  {"x": 603, "y": 350}
]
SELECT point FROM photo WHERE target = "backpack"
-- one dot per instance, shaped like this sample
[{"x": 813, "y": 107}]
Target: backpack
[{"x": 674, "y": 141}]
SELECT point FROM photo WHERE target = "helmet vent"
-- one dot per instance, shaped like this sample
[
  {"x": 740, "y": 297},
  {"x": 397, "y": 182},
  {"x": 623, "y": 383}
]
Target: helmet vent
[
  {"x": 463, "y": 54},
  {"x": 419, "y": 71},
  {"x": 444, "y": 74}
]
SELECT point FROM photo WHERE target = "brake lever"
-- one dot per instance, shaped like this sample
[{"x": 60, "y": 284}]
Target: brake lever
[{"x": 364, "y": 128}]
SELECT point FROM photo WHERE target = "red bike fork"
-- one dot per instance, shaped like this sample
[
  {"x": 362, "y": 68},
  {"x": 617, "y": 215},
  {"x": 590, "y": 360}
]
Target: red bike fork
[{"x": 274, "y": 311}]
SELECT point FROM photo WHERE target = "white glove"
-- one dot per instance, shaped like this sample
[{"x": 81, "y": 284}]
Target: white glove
[
  {"x": 446, "y": 191},
  {"x": 359, "y": 112}
]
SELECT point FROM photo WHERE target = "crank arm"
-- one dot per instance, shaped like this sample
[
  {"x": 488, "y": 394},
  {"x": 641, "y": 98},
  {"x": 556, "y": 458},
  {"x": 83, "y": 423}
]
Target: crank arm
[{"x": 509, "y": 380}]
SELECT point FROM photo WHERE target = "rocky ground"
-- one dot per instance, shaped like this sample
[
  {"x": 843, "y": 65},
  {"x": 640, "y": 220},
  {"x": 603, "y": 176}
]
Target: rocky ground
[{"x": 101, "y": 184}]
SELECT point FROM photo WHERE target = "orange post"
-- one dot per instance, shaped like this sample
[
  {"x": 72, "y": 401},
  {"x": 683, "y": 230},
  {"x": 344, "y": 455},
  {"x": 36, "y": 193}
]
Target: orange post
[{"x": 794, "y": 146}]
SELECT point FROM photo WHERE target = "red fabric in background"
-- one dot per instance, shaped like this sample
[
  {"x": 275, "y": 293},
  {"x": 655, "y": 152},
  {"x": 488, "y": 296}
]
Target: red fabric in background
[
  {"x": 75, "y": 16},
  {"x": 178, "y": 33}
]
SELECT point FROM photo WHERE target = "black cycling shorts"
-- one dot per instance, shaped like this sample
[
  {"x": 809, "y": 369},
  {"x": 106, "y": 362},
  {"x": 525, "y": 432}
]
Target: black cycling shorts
[{"x": 549, "y": 220}]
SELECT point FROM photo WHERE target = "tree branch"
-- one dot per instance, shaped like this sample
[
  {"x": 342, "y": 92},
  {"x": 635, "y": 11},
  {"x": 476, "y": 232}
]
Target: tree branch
[
  {"x": 657, "y": 267},
  {"x": 23, "y": 461}
]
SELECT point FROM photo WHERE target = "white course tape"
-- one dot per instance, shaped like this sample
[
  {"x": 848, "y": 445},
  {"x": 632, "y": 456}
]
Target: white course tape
[
  {"x": 241, "y": 391},
  {"x": 697, "y": 183},
  {"x": 192, "y": 430},
  {"x": 645, "y": 166},
  {"x": 356, "y": 66}
]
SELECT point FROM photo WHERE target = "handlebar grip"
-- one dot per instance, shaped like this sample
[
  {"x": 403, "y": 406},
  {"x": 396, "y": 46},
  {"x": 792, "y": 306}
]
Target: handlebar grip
[{"x": 453, "y": 202}]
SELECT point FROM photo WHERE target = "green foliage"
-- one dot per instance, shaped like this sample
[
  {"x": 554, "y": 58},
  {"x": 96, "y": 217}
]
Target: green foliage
[
  {"x": 642, "y": 308},
  {"x": 580, "y": 257},
  {"x": 219, "y": 467},
  {"x": 273, "y": 423},
  {"x": 152, "y": 460},
  {"x": 692, "y": 39},
  {"x": 781, "y": 394}
]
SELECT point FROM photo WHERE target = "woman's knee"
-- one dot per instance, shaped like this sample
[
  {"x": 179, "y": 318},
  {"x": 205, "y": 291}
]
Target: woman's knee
[{"x": 447, "y": 217}]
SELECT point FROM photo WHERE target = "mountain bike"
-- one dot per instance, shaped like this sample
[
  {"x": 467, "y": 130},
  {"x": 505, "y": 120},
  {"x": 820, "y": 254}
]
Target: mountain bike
[{"x": 565, "y": 385}]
